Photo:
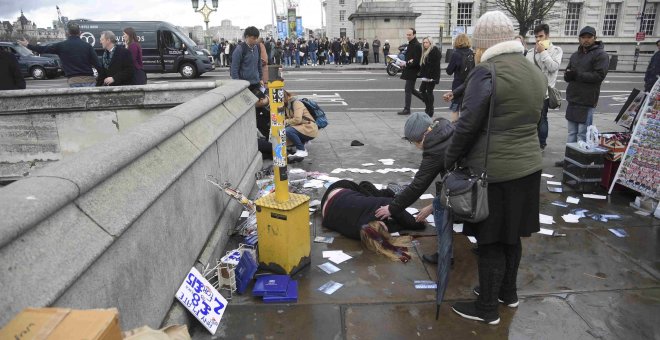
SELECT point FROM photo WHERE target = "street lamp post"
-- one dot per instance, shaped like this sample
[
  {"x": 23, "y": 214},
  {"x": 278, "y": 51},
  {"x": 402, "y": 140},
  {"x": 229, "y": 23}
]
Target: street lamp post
[{"x": 206, "y": 12}]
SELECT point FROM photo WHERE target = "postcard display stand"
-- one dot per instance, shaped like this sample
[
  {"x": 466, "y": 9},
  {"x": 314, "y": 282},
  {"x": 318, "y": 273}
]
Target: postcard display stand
[{"x": 640, "y": 164}]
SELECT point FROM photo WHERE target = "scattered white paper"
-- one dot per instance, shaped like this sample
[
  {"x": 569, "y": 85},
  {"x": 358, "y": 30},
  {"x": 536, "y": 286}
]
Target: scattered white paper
[
  {"x": 314, "y": 203},
  {"x": 472, "y": 239},
  {"x": 618, "y": 232},
  {"x": 430, "y": 219},
  {"x": 553, "y": 183},
  {"x": 339, "y": 258},
  {"x": 458, "y": 228},
  {"x": 546, "y": 219},
  {"x": 245, "y": 214},
  {"x": 547, "y": 175},
  {"x": 425, "y": 284},
  {"x": 331, "y": 253},
  {"x": 329, "y": 268},
  {"x": 386, "y": 161},
  {"x": 412, "y": 211},
  {"x": 397, "y": 234},
  {"x": 642, "y": 213},
  {"x": 560, "y": 204},
  {"x": 545, "y": 231},
  {"x": 379, "y": 186},
  {"x": 597, "y": 197},
  {"x": 573, "y": 200},
  {"x": 368, "y": 164},
  {"x": 330, "y": 287},
  {"x": 337, "y": 171},
  {"x": 570, "y": 218},
  {"x": 313, "y": 183},
  {"x": 296, "y": 171},
  {"x": 324, "y": 239},
  {"x": 426, "y": 197}
]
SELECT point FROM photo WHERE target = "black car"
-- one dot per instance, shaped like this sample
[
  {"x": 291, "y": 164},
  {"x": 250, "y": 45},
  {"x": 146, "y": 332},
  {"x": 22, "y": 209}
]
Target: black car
[{"x": 32, "y": 65}]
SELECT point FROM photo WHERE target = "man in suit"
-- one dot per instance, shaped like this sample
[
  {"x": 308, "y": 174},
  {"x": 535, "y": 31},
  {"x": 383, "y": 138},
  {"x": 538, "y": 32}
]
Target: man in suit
[
  {"x": 409, "y": 74},
  {"x": 10, "y": 73},
  {"x": 117, "y": 63}
]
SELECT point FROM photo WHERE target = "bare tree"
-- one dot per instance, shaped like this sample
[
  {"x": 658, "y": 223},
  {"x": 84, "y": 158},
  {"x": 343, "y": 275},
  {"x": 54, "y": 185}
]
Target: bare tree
[{"x": 527, "y": 12}]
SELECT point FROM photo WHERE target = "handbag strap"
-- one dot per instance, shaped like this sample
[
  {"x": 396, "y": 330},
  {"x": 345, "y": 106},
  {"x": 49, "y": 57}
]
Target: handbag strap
[{"x": 490, "y": 115}]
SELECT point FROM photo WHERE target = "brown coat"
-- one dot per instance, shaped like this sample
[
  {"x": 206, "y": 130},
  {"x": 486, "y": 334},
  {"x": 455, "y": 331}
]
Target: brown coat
[
  {"x": 301, "y": 120},
  {"x": 264, "y": 63}
]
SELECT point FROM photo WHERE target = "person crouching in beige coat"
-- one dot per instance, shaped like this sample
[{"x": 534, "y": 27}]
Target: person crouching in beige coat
[{"x": 300, "y": 125}]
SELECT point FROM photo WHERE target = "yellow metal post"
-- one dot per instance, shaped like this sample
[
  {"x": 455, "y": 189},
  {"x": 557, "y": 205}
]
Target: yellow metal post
[{"x": 282, "y": 218}]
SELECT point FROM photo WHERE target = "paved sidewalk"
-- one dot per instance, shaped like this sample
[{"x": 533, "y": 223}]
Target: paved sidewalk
[{"x": 589, "y": 284}]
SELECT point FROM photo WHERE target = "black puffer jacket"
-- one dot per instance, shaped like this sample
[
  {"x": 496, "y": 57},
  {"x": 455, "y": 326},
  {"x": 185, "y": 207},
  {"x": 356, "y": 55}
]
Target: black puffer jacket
[
  {"x": 413, "y": 57},
  {"x": 585, "y": 72},
  {"x": 433, "y": 164}
]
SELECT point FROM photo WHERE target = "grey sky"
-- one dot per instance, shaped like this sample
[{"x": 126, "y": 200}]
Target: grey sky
[{"x": 242, "y": 13}]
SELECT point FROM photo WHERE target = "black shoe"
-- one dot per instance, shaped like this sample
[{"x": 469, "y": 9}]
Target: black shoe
[
  {"x": 559, "y": 164},
  {"x": 543, "y": 147},
  {"x": 433, "y": 258},
  {"x": 403, "y": 112},
  {"x": 469, "y": 310},
  {"x": 513, "y": 303}
]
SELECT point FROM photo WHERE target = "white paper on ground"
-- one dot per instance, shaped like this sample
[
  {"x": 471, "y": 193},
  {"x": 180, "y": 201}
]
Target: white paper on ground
[
  {"x": 337, "y": 171},
  {"x": 314, "y": 203},
  {"x": 329, "y": 268},
  {"x": 296, "y": 171},
  {"x": 368, "y": 164},
  {"x": 642, "y": 213},
  {"x": 412, "y": 210},
  {"x": 331, "y": 253},
  {"x": 245, "y": 214},
  {"x": 425, "y": 284},
  {"x": 324, "y": 239},
  {"x": 597, "y": 197},
  {"x": 386, "y": 161},
  {"x": 472, "y": 239},
  {"x": 553, "y": 183},
  {"x": 546, "y": 219},
  {"x": 547, "y": 175},
  {"x": 573, "y": 200},
  {"x": 570, "y": 218},
  {"x": 560, "y": 204},
  {"x": 430, "y": 219},
  {"x": 330, "y": 287},
  {"x": 545, "y": 231},
  {"x": 313, "y": 183},
  {"x": 379, "y": 186},
  {"x": 618, "y": 232},
  {"x": 339, "y": 258},
  {"x": 426, "y": 197},
  {"x": 458, "y": 228}
]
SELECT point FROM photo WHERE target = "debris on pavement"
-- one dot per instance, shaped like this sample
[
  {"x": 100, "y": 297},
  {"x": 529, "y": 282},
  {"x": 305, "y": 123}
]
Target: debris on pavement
[{"x": 330, "y": 287}]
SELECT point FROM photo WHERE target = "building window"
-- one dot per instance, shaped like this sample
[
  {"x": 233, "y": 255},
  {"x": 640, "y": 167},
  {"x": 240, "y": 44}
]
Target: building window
[
  {"x": 572, "y": 19},
  {"x": 448, "y": 20},
  {"x": 342, "y": 2},
  {"x": 611, "y": 14},
  {"x": 464, "y": 14},
  {"x": 342, "y": 15},
  {"x": 648, "y": 19},
  {"x": 531, "y": 28}
]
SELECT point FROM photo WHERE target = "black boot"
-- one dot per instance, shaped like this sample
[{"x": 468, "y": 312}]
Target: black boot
[{"x": 404, "y": 112}]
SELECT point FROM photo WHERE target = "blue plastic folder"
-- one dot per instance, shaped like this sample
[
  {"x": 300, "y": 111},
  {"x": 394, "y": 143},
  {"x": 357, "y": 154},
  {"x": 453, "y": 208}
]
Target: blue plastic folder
[
  {"x": 271, "y": 285},
  {"x": 291, "y": 294}
]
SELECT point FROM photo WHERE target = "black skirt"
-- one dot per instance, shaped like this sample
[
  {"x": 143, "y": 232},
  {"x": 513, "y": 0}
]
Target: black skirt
[{"x": 513, "y": 211}]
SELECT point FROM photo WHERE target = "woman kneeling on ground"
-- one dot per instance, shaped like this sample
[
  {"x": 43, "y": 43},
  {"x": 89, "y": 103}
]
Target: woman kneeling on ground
[{"x": 300, "y": 125}]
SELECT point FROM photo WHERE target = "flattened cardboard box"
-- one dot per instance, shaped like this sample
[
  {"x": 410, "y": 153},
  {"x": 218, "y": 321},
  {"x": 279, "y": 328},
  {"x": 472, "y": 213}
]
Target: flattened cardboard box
[{"x": 63, "y": 324}]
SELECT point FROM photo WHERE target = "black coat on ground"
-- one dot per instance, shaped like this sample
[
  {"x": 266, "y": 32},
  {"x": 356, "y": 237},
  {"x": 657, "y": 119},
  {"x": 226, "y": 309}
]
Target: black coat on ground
[
  {"x": 413, "y": 57},
  {"x": 10, "y": 73},
  {"x": 121, "y": 68},
  {"x": 433, "y": 164}
]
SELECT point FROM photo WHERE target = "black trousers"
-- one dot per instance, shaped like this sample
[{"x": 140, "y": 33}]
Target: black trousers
[
  {"x": 498, "y": 270},
  {"x": 410, "y": 87},
  {"x": 376, "y": 55},
  {"x": 426, "y": 90}
]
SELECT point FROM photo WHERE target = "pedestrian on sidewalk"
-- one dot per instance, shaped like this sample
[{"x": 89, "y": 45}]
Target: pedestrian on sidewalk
[
  {"x": 117, "y": 63},
  {"x": 365, "y": 53},
  {"x": 78, "y": 57},
  {"x": 513, "y": 159},
  {"x": 460, "y": 65},
  {"x": 653, "y": 70},
  {"x": 375, "y": 45},
  {"x": 429, "y": 74},
  {"x": 386, "y": 51},
  {"x": 10, "y": 72},
  {"x": 584, "y": 74},
  {"x": 131, "y": 42},
  {"x": 547, "y": 57},
  {"x": 409, "y": 74},
  {"x": 433, "y": 138}
]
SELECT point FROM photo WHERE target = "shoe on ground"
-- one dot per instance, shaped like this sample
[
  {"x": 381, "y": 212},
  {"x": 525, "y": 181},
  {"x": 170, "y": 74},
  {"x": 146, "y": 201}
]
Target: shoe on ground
[
  {"x": 433, "y": 258},
  {"x": 403, "y": 112},
  {"x": 559, "y": 164},
  {"x": 510, "y": 303},
  {"x": 299, "y": 154},
  {"x": 469, "y": 310},
  {"x": 543, "y": 147}
]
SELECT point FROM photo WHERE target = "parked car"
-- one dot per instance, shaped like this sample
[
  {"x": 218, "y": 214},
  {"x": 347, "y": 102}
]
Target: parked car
[{"x": 31, "y": 65}]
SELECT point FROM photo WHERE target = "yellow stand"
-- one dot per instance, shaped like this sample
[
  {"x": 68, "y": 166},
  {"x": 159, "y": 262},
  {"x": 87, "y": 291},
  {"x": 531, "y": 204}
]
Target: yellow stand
[{"x": 282, "y": 218}]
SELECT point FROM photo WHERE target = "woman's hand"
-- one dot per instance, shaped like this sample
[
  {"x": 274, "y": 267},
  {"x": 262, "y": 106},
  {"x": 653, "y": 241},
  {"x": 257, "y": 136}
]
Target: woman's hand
[
  {"x": 424, "y": 213},
  {"x": 448, "y": 96},
  {"x": 383, "y": 212}
]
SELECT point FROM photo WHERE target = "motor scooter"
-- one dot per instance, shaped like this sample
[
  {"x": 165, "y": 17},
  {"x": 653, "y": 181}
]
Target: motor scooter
[{"x": 395, "y": 64}]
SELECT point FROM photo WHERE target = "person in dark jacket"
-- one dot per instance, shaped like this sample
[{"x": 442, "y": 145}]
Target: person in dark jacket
[
  {"x": 433, "y": 138},
  {"x": 10, "y": 73},
  {"x": 584, "y": 74},
  {"x": 429, "y": 74},
  {"x": 78, "y": 57},
  {"x": 409, "y": 74},
  {"x": 347, "y": 206},
  {"x": 132, "y": 44},
  {"x": 653, "y": 70},
  {"x": 386, "y": 51},
  {"x": 117, "y": 63},
  {"x": 462, "y": 49},
  {"x": 513, "y": 157}
]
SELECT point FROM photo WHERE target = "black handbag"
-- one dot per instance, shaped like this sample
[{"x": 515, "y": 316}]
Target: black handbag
[{"x": 465, "y": 191}]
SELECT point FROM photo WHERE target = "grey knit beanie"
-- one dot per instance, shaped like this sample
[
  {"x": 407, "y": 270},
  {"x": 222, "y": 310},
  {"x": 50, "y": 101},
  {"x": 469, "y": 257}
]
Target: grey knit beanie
[
  {"x": 416, "y": 126},
  {"x": 492, "y": 28}
]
